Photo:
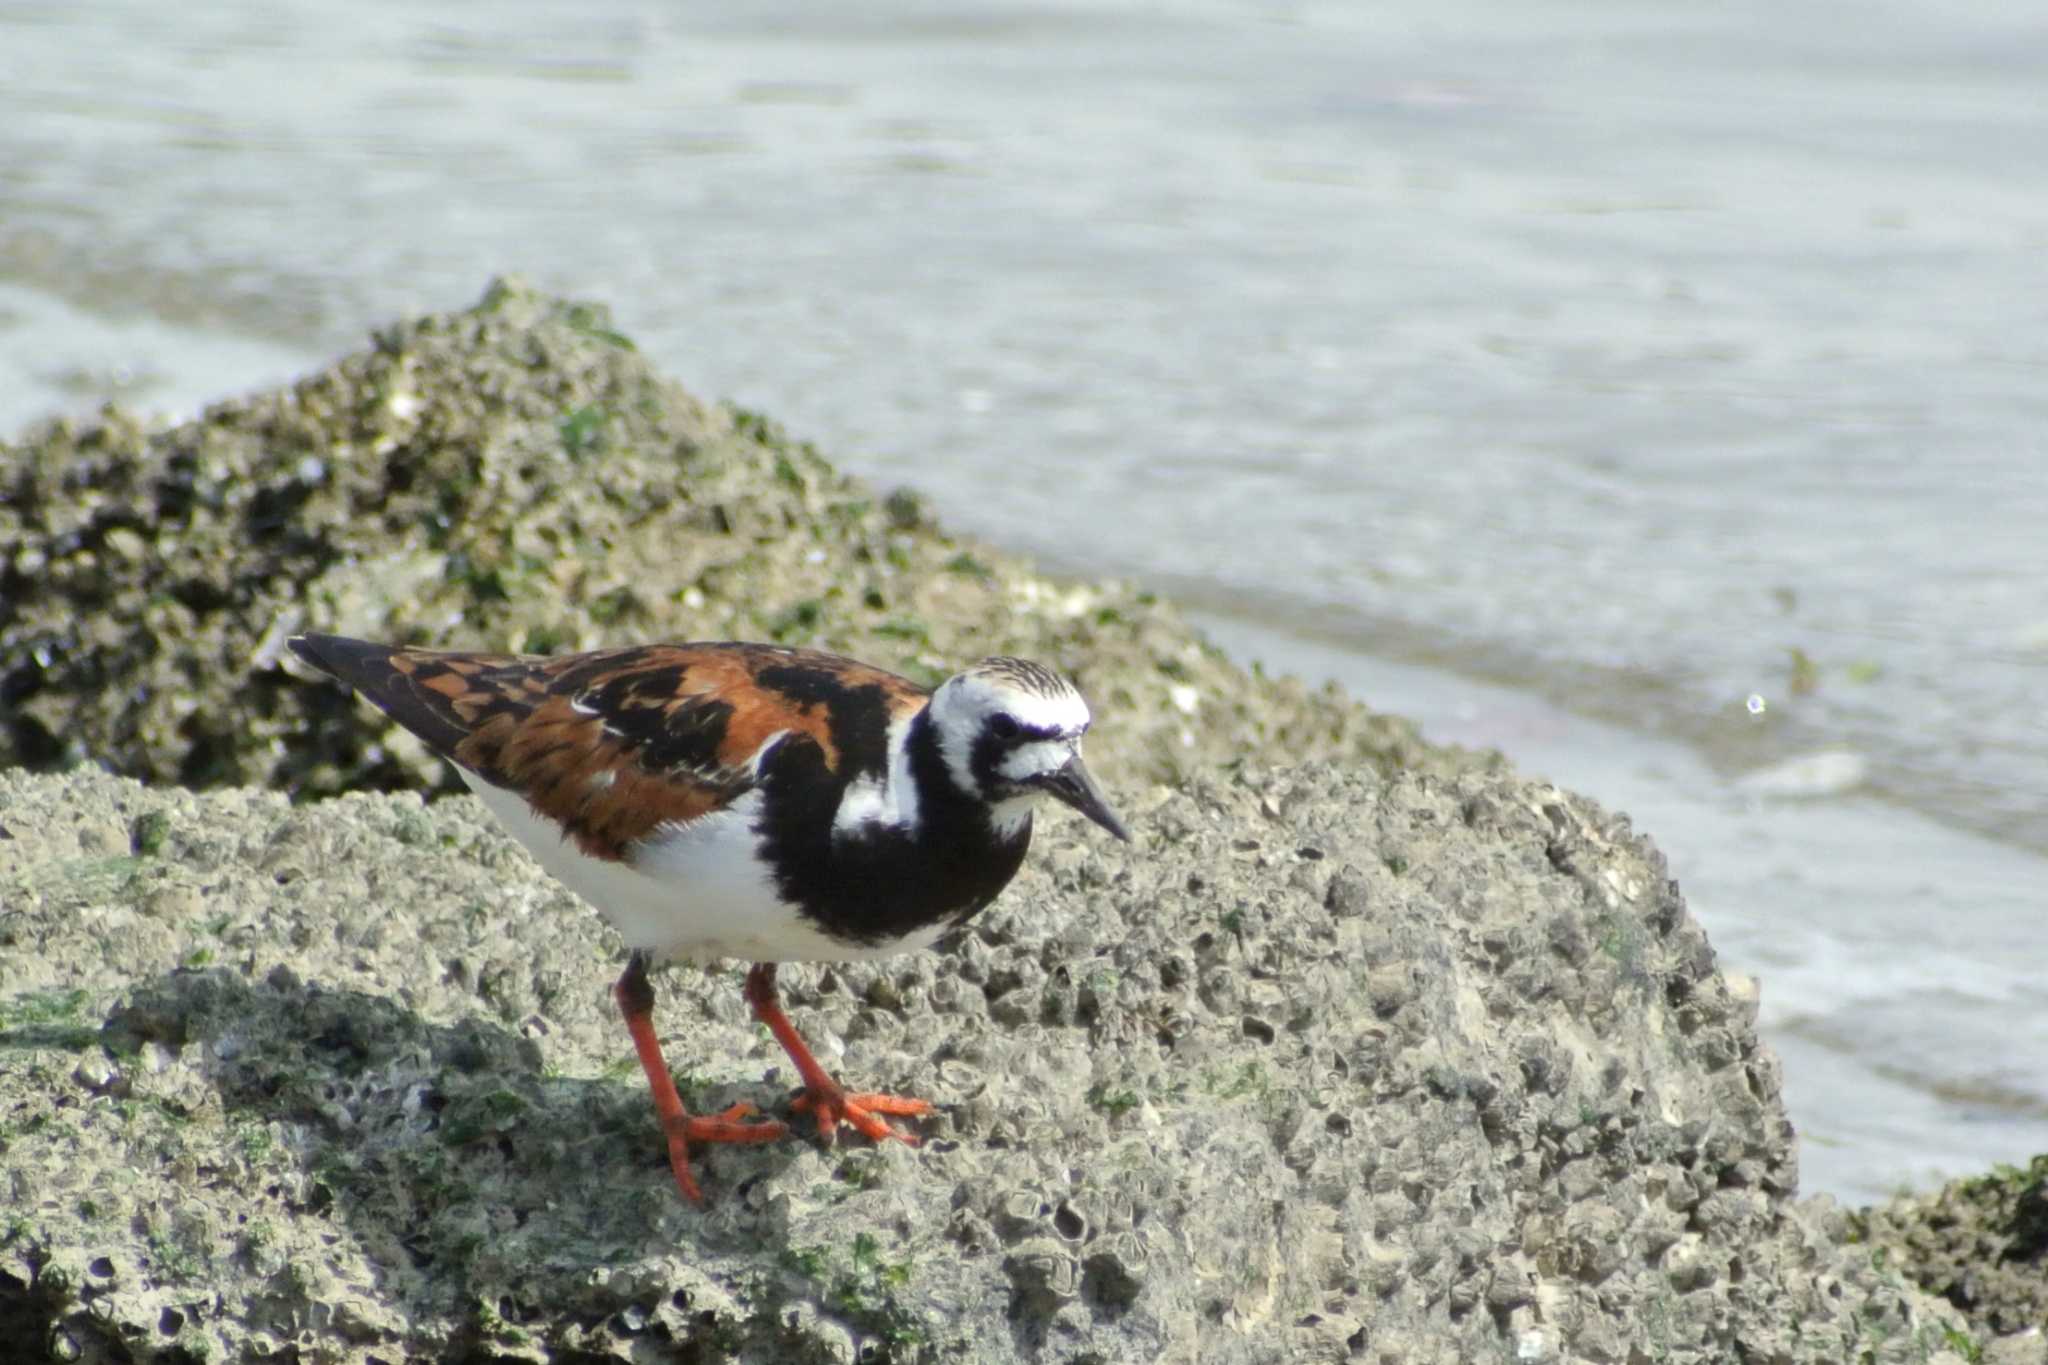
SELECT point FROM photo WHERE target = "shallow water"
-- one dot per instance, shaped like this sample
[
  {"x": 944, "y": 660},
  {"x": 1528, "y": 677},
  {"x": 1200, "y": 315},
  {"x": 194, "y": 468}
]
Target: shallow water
[{"x": 1609, "y": 354}]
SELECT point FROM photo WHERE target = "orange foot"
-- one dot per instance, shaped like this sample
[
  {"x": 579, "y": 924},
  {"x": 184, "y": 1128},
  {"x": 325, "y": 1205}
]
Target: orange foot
[
  {"x": 727, "y": 1126},
  {"x": 824, "y": 1098},
  {"x": 636, "y": 1004},
  {"x": 832, "y": 1106}
]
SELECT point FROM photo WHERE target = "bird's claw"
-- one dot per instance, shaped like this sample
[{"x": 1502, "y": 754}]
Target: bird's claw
[{"x": 833, "y": 1106}]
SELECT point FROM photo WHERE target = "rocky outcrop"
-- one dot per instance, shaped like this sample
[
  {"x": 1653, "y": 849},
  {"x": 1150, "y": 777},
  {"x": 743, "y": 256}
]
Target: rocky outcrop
[{"x": 1326, "y": 1067}]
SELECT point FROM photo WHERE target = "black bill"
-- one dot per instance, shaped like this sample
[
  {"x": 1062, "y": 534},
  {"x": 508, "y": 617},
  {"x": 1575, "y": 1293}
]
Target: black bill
[{"x": 1074, "y": 785}]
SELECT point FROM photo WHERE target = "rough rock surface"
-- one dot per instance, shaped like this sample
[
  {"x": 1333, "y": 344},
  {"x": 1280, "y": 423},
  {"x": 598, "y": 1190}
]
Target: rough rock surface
[
  {"x": 1328, "y": 1067},
  {"x": 518, "y": 477}
]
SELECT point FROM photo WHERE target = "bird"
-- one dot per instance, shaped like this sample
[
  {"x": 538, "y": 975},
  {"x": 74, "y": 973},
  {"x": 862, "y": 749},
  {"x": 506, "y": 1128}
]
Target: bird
[{"x": 736, "y": 800}]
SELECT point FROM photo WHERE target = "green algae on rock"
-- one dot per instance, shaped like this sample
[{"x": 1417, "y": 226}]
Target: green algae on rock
[
  {"x": 518, "y": 477},
  {"x": 1980, "y": 1243}
]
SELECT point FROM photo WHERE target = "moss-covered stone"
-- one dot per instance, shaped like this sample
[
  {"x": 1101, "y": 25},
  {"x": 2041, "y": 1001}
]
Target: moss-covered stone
[
  {"x": 517, "y": 477},
  {"x": 1981, "y": 1243}
]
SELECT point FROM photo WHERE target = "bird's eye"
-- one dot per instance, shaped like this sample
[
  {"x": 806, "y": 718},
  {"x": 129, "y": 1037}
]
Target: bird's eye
[{"x": 1004, "y": 726}]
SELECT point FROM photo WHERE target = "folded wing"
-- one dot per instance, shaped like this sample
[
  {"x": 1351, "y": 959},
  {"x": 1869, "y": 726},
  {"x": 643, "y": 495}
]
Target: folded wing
[{"x": 614, "y": 744}]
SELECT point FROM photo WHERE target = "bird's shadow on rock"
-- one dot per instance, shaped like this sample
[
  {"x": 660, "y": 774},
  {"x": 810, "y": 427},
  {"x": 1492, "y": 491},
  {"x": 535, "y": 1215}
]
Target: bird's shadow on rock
[{"x": 456, "y": 1161}]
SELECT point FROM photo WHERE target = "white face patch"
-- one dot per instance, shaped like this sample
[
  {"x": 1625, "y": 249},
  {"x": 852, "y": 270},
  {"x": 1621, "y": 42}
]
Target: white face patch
[
  {"x": 1030, "y": 760},
  {"x": 1066, "y": 713},
  {"x": 964, "y": 704}
]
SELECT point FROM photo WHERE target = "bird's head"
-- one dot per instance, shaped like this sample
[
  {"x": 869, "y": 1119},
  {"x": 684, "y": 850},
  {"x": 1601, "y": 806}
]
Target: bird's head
[{"x": 1010, "y": 731}]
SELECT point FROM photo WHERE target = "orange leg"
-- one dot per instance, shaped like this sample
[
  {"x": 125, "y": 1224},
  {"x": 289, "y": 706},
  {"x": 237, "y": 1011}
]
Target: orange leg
[
  {"x": 823, "y": 1097},
  {"x": 636, "y": 1003}
]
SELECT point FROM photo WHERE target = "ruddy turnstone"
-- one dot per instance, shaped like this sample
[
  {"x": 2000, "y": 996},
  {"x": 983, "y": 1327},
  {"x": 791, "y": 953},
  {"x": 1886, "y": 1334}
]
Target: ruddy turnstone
[{"x": 749, "y": 801}]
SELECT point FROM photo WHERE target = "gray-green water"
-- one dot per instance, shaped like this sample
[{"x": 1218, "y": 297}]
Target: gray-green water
[{"x": 1607, "y": 353}]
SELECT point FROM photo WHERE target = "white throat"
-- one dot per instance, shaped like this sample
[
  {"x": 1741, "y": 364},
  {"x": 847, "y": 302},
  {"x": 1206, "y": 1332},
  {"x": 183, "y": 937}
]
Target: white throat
[{"x": 1010, "y": 818}]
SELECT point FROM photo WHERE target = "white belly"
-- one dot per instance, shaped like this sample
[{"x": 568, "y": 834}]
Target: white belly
[{"x": 695, "y": 891}]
